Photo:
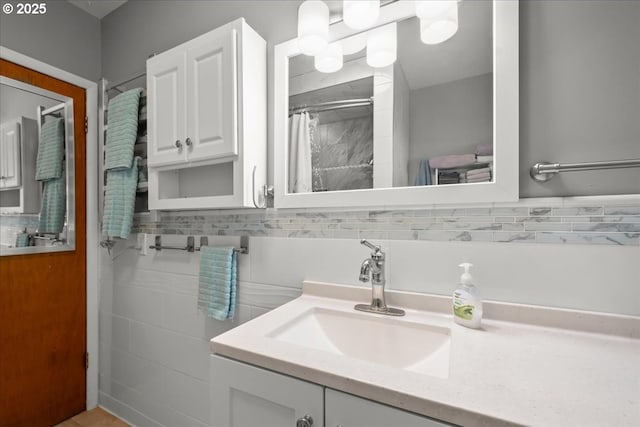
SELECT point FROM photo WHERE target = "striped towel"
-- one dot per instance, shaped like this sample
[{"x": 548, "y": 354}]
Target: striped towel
[
  {"x": 122, "y": 117},
  {"x": 217, "y": 282},
  {"x": 22, "y": 240},
  {"x": 481, "y": 171},
  {"x": 50, "y": 150},
  {"x": 119, "y": 201},
  {"x": 54, "y": 205}
]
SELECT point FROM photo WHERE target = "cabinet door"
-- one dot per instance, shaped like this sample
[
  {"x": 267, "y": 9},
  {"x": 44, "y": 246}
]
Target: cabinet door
[
  {"x": 212, "y": 96},
  {"x": 346, "y": 410},
  {"x": 166, "y": 109},
  {"x": 10, "y": 169},
  {"x": 243, "y": 395}
]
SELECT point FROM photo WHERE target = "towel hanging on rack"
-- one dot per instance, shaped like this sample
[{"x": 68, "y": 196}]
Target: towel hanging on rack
[
  {"x": 122, "y": 117},
  {"x": 217, "y": 282}
]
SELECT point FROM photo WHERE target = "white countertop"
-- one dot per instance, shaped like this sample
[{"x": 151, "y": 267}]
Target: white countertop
[{"x": 507, "y": 373}]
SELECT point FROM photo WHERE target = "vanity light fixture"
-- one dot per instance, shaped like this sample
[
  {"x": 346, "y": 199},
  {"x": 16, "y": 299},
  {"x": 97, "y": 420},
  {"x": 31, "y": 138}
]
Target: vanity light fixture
[
  {"x": 330, "y": 59},
  {"x": 438, "y": 23},
  {"x": 313, "y": 27},
  {"x": 360, "y": 14},
  {"x": 382, "y": 46},
  {"x": 438, "y": 20}
]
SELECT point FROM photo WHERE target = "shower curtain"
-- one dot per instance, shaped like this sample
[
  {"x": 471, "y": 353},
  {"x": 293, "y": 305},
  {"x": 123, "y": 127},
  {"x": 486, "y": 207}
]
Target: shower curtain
[{"x": 300, "y": 180}]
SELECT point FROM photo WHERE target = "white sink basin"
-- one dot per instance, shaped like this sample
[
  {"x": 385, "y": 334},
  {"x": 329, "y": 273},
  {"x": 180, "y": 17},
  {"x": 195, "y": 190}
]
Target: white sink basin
[{"x": 374, "y": 338}]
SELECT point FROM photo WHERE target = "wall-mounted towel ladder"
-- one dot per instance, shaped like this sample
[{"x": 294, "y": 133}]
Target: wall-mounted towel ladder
[
  {"x": 544, "y": 171},
  {"x": 204, "y": 241}
]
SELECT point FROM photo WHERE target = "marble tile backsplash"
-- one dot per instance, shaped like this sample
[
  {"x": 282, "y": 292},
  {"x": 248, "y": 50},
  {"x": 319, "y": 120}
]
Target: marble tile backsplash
[{"x": 591, "y": 225}]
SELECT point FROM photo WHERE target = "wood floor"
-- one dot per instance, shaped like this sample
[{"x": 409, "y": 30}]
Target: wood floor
[{"x": 94, "y": 418}]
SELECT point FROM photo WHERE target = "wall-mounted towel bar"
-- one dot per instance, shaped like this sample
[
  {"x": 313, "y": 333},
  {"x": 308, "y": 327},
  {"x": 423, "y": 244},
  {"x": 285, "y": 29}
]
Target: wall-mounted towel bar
[
  {"x": 204, "y": 241},
  {"x": 544, "y": 171}
]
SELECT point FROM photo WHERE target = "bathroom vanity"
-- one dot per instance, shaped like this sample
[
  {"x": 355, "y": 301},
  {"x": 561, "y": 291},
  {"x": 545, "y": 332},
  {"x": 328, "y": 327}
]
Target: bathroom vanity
[{"x": 317, "y": 357}]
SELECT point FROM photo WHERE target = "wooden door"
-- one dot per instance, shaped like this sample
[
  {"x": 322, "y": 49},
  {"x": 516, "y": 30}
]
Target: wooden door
[{"x": 43, "y": 305}]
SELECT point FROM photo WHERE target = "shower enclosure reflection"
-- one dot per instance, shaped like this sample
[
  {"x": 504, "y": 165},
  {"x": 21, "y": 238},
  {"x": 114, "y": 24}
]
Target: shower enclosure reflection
[
  {"x": 36, "y": 169},
  {"x": 427, "y": 119}
]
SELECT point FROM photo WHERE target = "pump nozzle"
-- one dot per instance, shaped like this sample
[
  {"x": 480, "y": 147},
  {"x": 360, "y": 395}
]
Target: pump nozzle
[{"x": 466, "y": 278}]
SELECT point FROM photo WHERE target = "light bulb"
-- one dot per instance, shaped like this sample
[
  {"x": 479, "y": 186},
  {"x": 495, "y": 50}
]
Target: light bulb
[
  {"x": 360, "y": 14},
  {"x": 354, "y": 44},
  {"x": 313, "y": 27},
  {"x": 382, "y": 46},
  {"x": 433, "y": 8},
  {"x": 330, "y": 59},
  {"x": 439, "y": 22}
]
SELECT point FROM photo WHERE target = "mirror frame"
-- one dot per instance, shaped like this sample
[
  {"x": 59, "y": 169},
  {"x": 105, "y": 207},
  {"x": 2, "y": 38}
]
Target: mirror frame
[
  {"x": 503, "y": 188},
  {"x": 24, "y": 78}
]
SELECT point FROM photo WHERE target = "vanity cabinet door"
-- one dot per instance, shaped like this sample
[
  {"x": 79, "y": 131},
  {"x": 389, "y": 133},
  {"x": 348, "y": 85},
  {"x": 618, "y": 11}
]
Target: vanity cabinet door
[
  {"x": 10, "y": 155},
  {"x": 166, "y": 109},
  {"x": 346, "y": 410},
  {"x": 243, "y": 395}
]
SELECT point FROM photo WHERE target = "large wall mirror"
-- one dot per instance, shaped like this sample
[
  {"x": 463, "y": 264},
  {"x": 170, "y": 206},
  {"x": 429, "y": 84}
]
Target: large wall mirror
[
  {"x": 37, "y": 166},
  {"x": 438, "y": 126}
]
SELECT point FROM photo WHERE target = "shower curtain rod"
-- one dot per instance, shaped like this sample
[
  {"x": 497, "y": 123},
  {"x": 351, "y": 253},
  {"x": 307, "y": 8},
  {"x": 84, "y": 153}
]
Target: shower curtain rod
[{"x": 331, "y": 105}]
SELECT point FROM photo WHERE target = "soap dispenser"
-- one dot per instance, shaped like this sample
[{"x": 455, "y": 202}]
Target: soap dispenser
[{"x": 467, "y": 305}]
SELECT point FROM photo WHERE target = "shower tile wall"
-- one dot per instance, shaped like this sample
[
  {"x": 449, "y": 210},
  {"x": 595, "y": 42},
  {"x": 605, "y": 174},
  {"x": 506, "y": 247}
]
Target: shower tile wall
[{"x": 341, "y": 148}]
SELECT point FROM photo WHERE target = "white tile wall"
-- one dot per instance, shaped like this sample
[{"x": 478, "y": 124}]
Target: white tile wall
[{"x": 154, "y": 342}]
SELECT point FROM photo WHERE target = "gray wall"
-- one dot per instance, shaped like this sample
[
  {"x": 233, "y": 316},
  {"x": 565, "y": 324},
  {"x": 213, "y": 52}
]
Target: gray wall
[
  {"x": 450, "y": 118},
  {"x": 65, "y": 37},
  {"x": 580, "y": 95}
]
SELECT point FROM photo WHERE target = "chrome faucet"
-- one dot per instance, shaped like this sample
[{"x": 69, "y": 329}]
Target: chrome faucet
[{"x": 373, "y": 268}]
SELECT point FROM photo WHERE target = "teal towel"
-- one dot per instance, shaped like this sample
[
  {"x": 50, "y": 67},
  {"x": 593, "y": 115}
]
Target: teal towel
[
  {"x": 119, "y": 201},
  {"x": 22, "y": 240},
  {"x": 50, "y": 150},
  {"x": 54, "y": 205},
  {"x": 122, "y": 117},
  {"x": 424, "y": 173},
  {"x": 217, "y": 282}
]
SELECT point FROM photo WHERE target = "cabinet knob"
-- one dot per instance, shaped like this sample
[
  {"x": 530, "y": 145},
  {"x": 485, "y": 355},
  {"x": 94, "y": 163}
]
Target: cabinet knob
[
  {"x": 305, "y": 421},
  {"x": 178, "y": 144},
  {"x": 188, "y": 142}
]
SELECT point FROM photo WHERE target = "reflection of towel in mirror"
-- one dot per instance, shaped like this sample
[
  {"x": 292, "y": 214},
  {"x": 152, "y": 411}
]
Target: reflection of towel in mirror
[
  {"x": 452, "y": 161},
  {"x": 484, "y": 177},
  {"x": 217, "y": 282},
  {"x": 54, "y": 205},
  {"x": 50, "y": 150},
  {"x": 480, "y": 171},
  {"x": 122, "y": 117},
  {"x": 119, "y": 201},
  {"x": 22, "y": 240},
  {"x": 424, "y": 173}
]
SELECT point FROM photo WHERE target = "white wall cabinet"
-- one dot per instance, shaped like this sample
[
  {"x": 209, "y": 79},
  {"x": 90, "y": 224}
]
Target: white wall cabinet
[
  {"x": 207, "y": 120},
  {"x": 19, "y": 190},
  {"x": 244, "y": 395},
  {"x": 10, "y": 167}
]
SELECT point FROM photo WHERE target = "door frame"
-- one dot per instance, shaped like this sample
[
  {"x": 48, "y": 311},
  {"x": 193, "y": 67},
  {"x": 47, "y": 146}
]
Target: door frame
[{"x": 92, "y": 220}]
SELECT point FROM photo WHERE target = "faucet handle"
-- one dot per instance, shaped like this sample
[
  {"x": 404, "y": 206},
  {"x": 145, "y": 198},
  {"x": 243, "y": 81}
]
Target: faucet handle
[{"x": 374, "y": 248}]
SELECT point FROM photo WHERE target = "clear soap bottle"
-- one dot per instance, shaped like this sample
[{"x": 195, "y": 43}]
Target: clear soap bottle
[{"x": 467, "y": 304}]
